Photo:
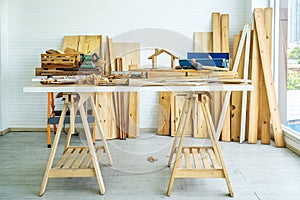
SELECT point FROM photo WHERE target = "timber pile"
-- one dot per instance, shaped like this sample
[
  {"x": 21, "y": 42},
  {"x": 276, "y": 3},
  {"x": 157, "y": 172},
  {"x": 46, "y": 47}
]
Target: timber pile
[
  {"x": 256, "y": 55},
  {"x": 263, "y": 105}
]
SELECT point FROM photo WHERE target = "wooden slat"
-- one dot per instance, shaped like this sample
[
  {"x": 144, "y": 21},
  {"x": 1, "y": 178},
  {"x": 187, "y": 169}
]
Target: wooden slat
[
  {"x": 87, "y": 161},
  {"x": 217, "y": 47},
  {"x": 59, "y": 173},
  {"x": 72, "y": 157},
  {"x": 265, "y": 58},
  {"x": 202, "y": 126},
  {"x": 196, "y": 158},
  {"x": 66, "y": 155},
  {"x": 225, "y": 33},
  {"x": 265, "y": 127},
  {"x": 164, "y": 112},
  {"x": 134, "y": 115},
  {"x": 216, "y": 27},
  {"x": 254, "y": 94},
  {"x": 236, "y": 97},
  {"x": 203, "y": 42},
  {"x": 109, "y": 65},
  {"x": 204, "y": 156},
  {"x": 188, "y": 162},
  {"x": 213, "y": 159},
  {"x": 80, "y": 158}
]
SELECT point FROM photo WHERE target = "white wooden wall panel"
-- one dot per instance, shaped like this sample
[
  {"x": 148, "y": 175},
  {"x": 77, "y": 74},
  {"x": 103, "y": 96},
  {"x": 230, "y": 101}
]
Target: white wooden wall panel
[{"x": 34, "y": 26}]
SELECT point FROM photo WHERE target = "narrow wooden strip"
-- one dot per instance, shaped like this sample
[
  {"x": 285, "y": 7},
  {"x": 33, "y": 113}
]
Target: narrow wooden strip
[
  {"x": 254, "y": 94},
  {"x": 225, "y": 32},
  {"x": 80, "y": 158},
  {"x": 205, "y": 161},
  {"x": 188, "y": 163},
  {"x": 265, "y": 127},
  {"x": 216, "y": 27},
  {"x": 61, "y": 162},
  {"x": 164, "y": 111},
  {"x": 271, "y": 93},
  {"x": 72, "y": 157},
  {"x": 87, "y": 161},
  {"x": 59, "y": 173},
  {"x": 213, "y": 159},
  {"x": 199, "y": 173},
  {"x": 196, "y": 158}
]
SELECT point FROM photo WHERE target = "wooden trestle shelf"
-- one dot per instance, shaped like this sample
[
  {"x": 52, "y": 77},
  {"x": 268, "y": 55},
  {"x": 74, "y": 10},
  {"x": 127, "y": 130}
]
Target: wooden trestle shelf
[{"x": 197, "y": 161}]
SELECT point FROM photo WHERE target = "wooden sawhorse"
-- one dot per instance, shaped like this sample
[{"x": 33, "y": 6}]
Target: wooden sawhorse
[
  {"x": 77, "y": 161},
  {"x": 197, "y": 162}
]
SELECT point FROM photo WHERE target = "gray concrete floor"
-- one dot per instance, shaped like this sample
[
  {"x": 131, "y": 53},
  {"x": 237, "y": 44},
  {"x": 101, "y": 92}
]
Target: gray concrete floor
[{"x": 256, "y": 171}]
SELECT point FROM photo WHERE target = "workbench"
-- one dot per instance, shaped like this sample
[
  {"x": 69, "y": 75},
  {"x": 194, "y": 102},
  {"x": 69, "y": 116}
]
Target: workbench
[{"x": 65, "y": 168}]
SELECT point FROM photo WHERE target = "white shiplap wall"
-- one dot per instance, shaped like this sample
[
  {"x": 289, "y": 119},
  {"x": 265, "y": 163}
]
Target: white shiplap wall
[{"x": 34, "y": 26}]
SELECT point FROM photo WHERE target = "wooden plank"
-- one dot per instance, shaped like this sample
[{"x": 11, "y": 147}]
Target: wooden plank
[
  {"x": 216, "y": 28},
  {"x": 204, "y": 157},
  {"x": 225, "y": 33},
  {"x": 203, "y": 41},
  {"x": 265, "y": 111},
  {"x": 196, "y": 158},
  {"x": 109, "y": 61},
  {"x": 164, "y": 113},
  {"x": 213, "y": 159},
  {"x": 72, "y": 157},
  {"x": 216, "y": 96},
  {"x": 87, "y": 161},
  {"x": 61, "y": 161},
  {"x": 188, "y": 162},
  {"x": 129, "y": 52},
  {"x": 71, "y": 42},
  {"x": 79, "y": 158},
  {"x": 254, "y": 94},
  {"x": 201, "y": 124},
  {"x": 267, "y": 71},
  {"x": 89, "y": 44},
  {"x": 236, "y": 97},
  {"x": 134, "y": 115},
  {"x": 225, "y": 49}
]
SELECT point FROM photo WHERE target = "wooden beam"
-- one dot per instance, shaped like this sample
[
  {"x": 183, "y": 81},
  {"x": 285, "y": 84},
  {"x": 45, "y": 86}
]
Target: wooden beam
[
  {"x": 266, "y": 65},
  {"x": 164, "y": 113},
  {"x": 254, "y": 95},
  {"x": 225, "y": 49}
]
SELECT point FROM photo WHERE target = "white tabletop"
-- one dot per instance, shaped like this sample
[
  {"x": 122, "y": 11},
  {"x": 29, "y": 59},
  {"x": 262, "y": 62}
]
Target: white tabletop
[{"x": 90, "y": 88}]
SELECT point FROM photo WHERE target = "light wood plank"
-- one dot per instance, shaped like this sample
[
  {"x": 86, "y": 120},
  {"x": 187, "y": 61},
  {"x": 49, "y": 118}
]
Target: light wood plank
[
  {"x": 134, "y": 115},
  {"x": 236, "y": 97},
  {"x": 203, "y": 41},
  {"x": 72, "y": 157},
  {"x": 130, "y": 53},
  {"x": 61, "y": 161},
  {"x": 80, "y": 158},
  {"x": 271, "y": 93},
  {"x": 71, "y": 42},
  {"x": 204, "y": 157},
  {"x": 216, "y": 27},
  {"x": 188, "y": 163},
  {"x": 164, "y": 112},
  {"x": 213, "y": 159},
  {"x": 254, "y": 94},
  {"x": 196, "y": 158}
]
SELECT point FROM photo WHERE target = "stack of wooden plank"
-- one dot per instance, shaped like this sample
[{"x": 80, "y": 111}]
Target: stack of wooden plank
[
  {"x": 263, "y": 107},
  {"x": 120, "y": 110},
  {"x": 216, "y": 41}
]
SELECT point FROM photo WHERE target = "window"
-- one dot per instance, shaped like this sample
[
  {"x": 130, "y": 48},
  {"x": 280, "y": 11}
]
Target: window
[{"x": 293, "y": 65}]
